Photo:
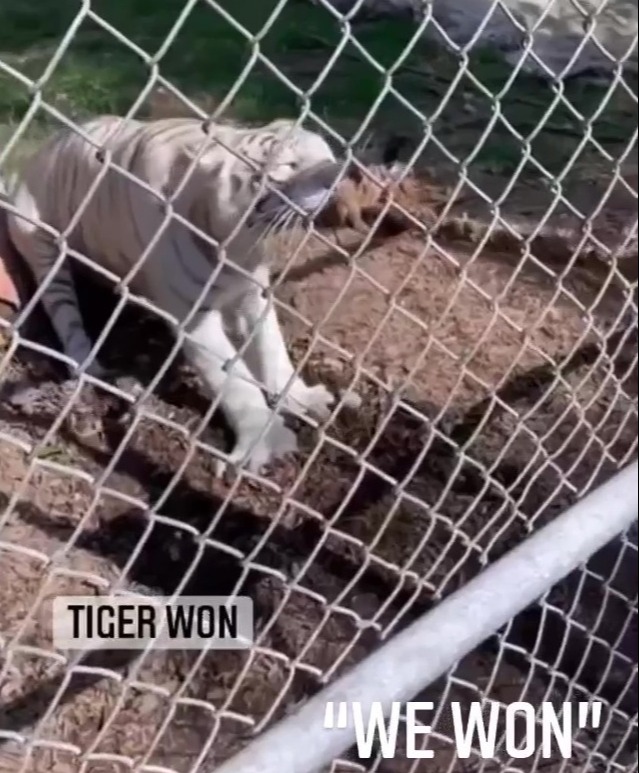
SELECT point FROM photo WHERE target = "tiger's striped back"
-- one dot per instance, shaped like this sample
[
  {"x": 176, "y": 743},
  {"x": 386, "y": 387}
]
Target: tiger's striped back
[{"x": 60, "y": 176}]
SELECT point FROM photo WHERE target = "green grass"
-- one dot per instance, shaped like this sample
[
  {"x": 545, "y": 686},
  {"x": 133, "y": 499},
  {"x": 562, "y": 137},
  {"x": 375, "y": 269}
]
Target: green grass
[{"x": 98, "y": 73}]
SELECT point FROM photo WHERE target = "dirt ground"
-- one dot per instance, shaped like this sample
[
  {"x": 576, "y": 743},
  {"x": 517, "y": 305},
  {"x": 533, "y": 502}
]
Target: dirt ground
[{"x": 519, "y": 397}]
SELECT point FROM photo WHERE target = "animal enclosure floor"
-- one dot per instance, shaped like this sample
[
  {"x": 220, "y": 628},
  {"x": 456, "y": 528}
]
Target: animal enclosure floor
[{"x": 565, "y": 419}]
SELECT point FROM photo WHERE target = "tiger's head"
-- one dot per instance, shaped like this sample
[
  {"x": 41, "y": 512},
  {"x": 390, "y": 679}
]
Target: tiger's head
[
  {"x": 290, "y": 149},
  {"x": 240, "y": 192},
  {"x": 309, "y": 176},
  {"x": 295, "y": 165}
]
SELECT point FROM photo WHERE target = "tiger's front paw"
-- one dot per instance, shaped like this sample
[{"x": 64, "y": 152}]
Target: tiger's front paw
[
  {"x": 315, "y": 400},
  {"x": 255, "y": 452}
]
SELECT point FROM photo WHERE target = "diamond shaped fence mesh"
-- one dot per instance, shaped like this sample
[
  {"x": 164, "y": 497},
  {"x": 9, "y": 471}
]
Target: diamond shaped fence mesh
[{"x": 483, "y": 354}]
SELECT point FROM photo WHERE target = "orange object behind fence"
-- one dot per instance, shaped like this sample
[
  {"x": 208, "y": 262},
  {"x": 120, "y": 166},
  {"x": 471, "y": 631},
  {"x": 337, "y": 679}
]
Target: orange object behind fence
[{"x": 9, "y": 295}]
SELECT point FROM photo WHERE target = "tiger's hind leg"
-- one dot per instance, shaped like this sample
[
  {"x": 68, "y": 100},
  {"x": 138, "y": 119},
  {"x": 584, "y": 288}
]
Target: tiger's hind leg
[
  {"x": 61, "y": 305},
  {"x": 60, "y": 302},
  {"x": 59, "y": 297}
]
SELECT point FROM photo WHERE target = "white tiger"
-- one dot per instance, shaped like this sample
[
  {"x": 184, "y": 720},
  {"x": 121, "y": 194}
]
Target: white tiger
[{"x": 122, "y": 217}]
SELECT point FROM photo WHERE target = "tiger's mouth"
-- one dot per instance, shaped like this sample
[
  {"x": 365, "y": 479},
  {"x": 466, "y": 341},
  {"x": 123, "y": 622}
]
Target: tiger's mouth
[{"x": 311, "y": 191}]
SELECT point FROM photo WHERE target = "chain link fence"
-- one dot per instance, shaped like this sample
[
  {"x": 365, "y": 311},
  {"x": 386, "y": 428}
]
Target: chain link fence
[{"x": 494, "y": 352}]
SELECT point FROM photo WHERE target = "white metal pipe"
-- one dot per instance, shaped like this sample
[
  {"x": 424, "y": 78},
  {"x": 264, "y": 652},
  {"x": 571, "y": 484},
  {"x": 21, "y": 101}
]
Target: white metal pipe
[{"x": 426, "y": 649}]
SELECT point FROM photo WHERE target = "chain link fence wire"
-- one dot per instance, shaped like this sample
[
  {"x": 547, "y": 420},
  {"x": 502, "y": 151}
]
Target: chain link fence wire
[{"x": 493, "y": 348}]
